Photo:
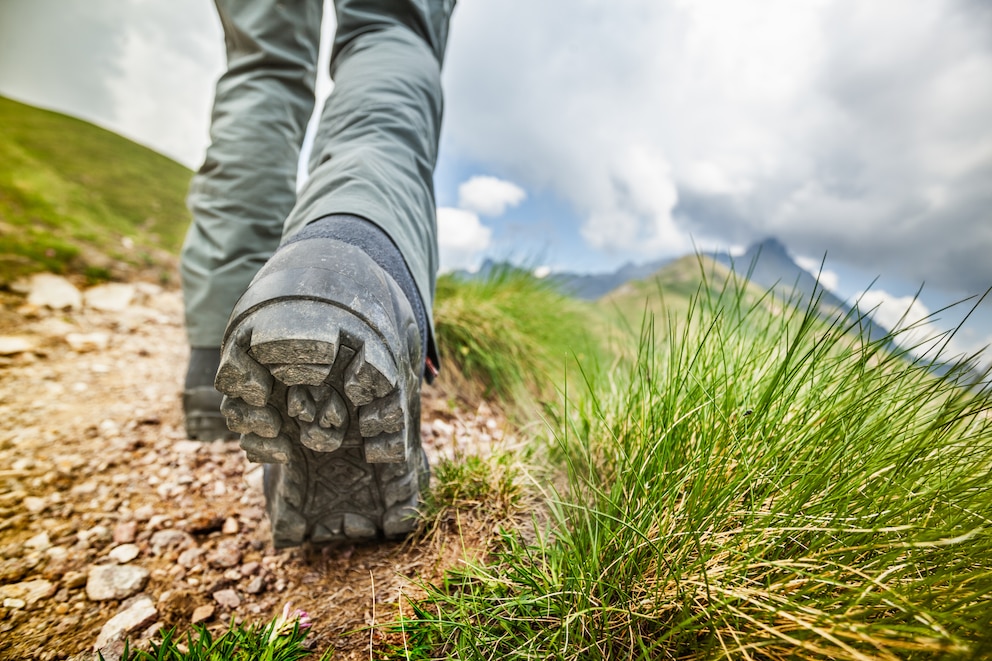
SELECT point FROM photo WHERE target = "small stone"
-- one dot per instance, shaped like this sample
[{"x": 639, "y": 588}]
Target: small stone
[
  {"x": 115, "y": 581},
  {"x": 202, "y": 613},
  {"x": 250, "y": 568},
  {"x": 202, "y": 524},
  {"x": 227, "y": 554},
  {"x": 148, "y": 289},
  {"x": 34, "y": 504},
  {"x": 39, "y": 542},
  {"x": 190, "y": 557},
  {"x": 152, "y": 631},
  {"x": 11, "y": 345},
  {"x": 111, "y": 297},
  {"x": 125, "y": 532},
  {"x": 124, "y": 553},
  {"x": 53, "y": 291},
  {"x": 231, "y": 526},
  {"x": 94, "y": 535},
  {"x": 57, "y": 552},
  {"x": 140, "y": 614},
  {"x": 14, "y": 604},
  {"x": 185, "y": 447},
  {"x": 255, "y": 585},
  {"x": 85, "y": 342},
  {"x": 74, "y": 579},
  {"x": 158, "y": 521},
  {"x": 171, "y": 538},
  {"x": 22, "y": 464},
  {"x": 29, "y": 592},
  {"x": 227, "y": 598}
]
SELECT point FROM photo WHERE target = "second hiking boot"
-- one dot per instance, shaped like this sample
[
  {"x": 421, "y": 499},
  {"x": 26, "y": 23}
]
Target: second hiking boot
[{"x": 320, "y": 368}]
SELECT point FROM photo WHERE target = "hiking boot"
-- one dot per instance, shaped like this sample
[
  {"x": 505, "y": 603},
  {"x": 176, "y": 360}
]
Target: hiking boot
[
  {"x": 201, "y": 401},
  {"x": 320, "y": 368}
]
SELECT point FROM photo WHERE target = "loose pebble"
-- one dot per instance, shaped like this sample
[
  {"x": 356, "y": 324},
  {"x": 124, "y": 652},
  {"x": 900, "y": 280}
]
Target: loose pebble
[
  {"x": 227, "y": 554},
  {"x": 125, "y": 532},
  {"x": 53, "y": 291},
  {"x": 140, "y": 614},
  {"x": 124, "y": 553},
  {"x": 28, "y": 592},
  {"x": 115, "y": 581},
  {"x": 39, "y": 542},
  {"x": 227, "y": 598},
  {"x": 202, "y": 613},
  {"x": 170, "y": 539}
]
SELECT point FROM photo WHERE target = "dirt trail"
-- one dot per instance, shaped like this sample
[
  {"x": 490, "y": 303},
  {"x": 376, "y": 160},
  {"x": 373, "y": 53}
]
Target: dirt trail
[{"x": 106, "y": 508}]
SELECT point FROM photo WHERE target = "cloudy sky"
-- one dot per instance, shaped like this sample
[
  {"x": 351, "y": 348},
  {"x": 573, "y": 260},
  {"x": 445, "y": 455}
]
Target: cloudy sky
[{"x": 582, "y": 134}]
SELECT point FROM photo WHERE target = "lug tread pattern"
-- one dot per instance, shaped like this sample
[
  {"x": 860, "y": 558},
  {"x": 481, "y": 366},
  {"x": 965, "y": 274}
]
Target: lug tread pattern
[{"x": 339, "y": 422}]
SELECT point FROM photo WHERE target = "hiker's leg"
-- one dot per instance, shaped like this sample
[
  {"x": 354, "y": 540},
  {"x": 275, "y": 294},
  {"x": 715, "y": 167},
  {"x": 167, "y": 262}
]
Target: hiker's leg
[
  {"x": 376, "y": 146},
  {"x": 323, "y": 356},
  {"x": 247, "y": 184}
]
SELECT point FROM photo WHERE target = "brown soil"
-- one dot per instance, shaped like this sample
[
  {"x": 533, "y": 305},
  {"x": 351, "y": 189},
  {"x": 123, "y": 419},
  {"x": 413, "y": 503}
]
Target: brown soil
[{"x": 93, "y": 457}]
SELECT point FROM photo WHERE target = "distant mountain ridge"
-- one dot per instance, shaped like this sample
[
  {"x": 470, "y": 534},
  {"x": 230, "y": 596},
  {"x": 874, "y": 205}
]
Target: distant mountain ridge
[
  {"x": 769, "y": 265},
  {"x": 590, "y": 286},
  {"x": 766, "y": 263}
]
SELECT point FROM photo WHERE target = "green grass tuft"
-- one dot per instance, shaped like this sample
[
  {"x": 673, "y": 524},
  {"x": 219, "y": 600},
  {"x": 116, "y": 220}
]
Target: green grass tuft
[
  {"x": 509, "y": 331},
  {"x": 756, "y": 484},
  {"x": 282, "y": 639},
  {"x": 492, "y": 483}
]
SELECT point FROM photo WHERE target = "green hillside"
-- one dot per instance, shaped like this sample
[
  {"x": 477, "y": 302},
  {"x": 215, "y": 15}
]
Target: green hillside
[
  {"x": 78, "y": 199},
  {"x": 668, "y": 297},
  {"x": 669, "y": 290}
]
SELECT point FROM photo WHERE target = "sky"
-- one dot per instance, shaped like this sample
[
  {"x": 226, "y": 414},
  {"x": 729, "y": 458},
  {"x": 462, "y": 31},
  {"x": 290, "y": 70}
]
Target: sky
[{"x": 581, "y": 134}]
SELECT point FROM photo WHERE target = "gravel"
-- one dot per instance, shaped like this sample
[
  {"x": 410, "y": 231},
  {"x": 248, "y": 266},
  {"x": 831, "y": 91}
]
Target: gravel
[{"x": 113, "y": 524}]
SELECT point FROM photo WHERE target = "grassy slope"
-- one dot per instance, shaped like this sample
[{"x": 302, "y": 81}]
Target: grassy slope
[
  {"x": 753, "y": 483},
  {"x": 70, "y": 192}
]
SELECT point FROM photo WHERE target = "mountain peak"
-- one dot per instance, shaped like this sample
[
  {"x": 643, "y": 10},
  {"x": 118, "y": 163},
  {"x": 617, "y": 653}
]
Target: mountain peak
[{"x": 769, "y": 246}]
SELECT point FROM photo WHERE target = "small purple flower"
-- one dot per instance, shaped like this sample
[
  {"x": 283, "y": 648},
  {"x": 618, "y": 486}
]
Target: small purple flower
[
  {"x": 284, "y": 622},
  {"x": 304, "y": 619}
]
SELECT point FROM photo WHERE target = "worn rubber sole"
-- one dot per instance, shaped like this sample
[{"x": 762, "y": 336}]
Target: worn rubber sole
[
  {"x": 319, "y": 381},
  {"x": 203, "y": 419}
]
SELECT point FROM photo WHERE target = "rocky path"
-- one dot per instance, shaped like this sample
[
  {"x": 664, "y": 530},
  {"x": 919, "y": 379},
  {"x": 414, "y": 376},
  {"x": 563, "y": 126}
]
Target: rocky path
[{"x": 112, "y": 524}]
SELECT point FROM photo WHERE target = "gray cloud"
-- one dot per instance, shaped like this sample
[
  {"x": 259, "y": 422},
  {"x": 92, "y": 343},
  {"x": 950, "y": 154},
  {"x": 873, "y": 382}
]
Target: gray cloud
[
  {"x": 855, "y": 128},
  {"x": 144, "y": 69},
  {"x": 42, "y": 45}
]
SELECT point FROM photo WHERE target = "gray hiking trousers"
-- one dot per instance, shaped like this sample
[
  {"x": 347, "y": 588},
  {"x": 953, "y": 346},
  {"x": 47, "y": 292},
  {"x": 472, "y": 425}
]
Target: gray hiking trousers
[{"x": 373, "y": 157}]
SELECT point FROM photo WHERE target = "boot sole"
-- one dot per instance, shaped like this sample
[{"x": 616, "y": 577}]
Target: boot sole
[
  {"x": 203, "y": 419},
  {"x": 330, "y": 400}
]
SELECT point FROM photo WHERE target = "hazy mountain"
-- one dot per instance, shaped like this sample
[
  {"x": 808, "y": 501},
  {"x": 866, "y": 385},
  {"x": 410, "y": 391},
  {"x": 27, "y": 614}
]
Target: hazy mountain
[
  {"x": 591, "y": 286},
  {"x": 769, "y": 265}
]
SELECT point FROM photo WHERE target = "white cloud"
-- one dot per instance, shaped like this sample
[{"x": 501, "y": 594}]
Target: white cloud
[
  {"x": 631, "y": 212},
  {"x": 461, "y": 239},
  {"x": 542, "y": 272},
  {"x": 825, "y": 276},
  {"x": 150, "y": 71},
  {"x": 489, "y": 196},
  {"x": 857, "y": 128},
  {"x": 835, "y": 125},
  {"x": 912, "y": 322}
]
